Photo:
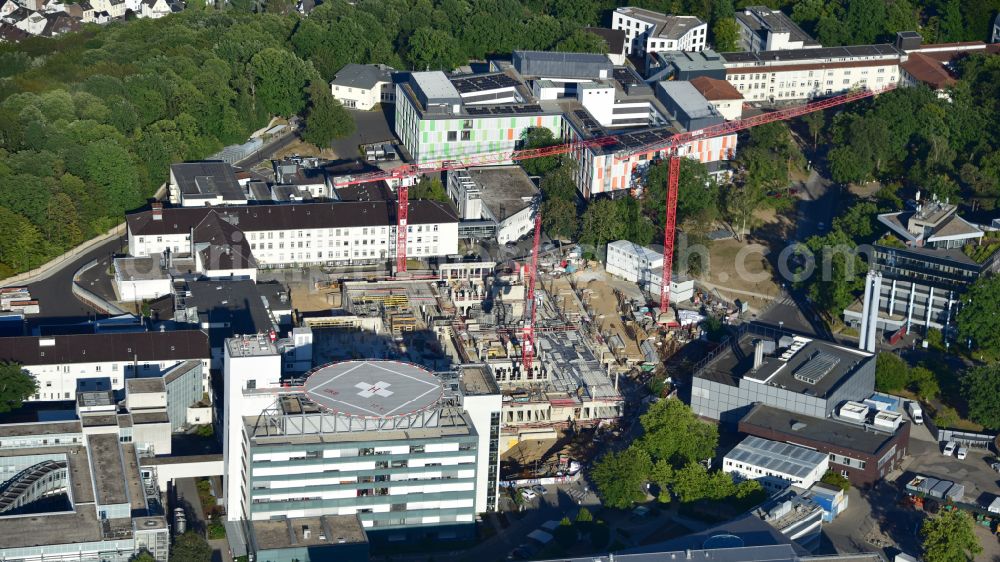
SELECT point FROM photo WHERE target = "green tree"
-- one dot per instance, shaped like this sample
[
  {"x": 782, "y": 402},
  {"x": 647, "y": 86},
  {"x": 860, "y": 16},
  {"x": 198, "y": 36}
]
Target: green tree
[
  {"x": 143, "y": 556},
  {"x": 726, "y": 35},
  {"x": 19, "y": 241},
  {"x": 602, "y": 223},
  {"x": 63, "y": 222},
  {"x": 815, "y": 121},
  {"x": 16, "y": 385},
  {"x": 280, "y": 78},
  {"x": 559, "y": 219},
  {"x": 946, "y": 416},
  {"x": 834, "y": 479},
  {"x": 190, "y": 547},
  {"x": 949, "y": 537},
  {"x": 981, "y": 386},
  {"x": 539, "y": 137},
  {"x": 429, "y": 188},
  {"x": 558, "y": 182},
  {"x": 433, "y": 49},
  {"x": 891, "y": 372},
  {"x": 619, "y": 476},
  {"x": 924, "y": 383},
  {"x": 673, "y": 433},
  {"x": 690, "y": 483},
  {"x": 565, "y": 534},
  {"x": 581, "y": 41},
  {"x": 326, "y": 119},
  {"x": 663, "y": 475},
  {"x": 584, "y": 516},
  {"x": 979, "y": 318}
]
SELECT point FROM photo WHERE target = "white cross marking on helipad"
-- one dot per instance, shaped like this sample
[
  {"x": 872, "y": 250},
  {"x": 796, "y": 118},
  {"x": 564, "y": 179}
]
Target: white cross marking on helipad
[{"x": 369, "y": 390}]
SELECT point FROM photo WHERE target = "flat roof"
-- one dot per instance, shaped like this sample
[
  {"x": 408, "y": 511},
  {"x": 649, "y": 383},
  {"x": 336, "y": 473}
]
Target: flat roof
[
  {"x": 824, "y": 363},
  {"x": 776, "y": 456},
  {"x": 435, "y": 87},
  {"x": 208, "y": 178},
  {"x": 69, "y": 527},
  {"x": 251, "y": 345},
  {"x": 688, "y": 99},
  {"x": 145, "y": 385},
  {"x": 78, "y": 461},
  {"x": 815, "y": 369},
  {"x": 323, "y": 530},
  {"x": 40, "y": 428},
  {"x": 505, "y": 190},
  {"x": 477, "y": 381},
  {"x": 376, "y": 389},
  {"x": 155, "y": 416},
  {"x": 839, "y": 434},
  {"x": 106, "y": 461}
]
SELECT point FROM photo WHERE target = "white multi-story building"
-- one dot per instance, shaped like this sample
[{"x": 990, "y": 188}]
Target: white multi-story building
[
  {"x": 503, "y": 196},
  {"x": 647, "y": 31},
  {"x": 63, "y": 365},
  {"x": 644, "y": 267},
  {"x": 776, "y": 465},
  {"x": 776, "y": 76},
  {"x": 405, "y": 450},
  {"x": 241, "y": 239},
  {"x": 363, "y": 86},
  {"x": 764, "y": 29}
]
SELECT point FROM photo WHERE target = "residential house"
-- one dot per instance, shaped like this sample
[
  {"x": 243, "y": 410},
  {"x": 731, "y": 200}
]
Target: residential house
[
  {"x": 154, "y": 9},
  {"x": 34, "y": 23},
  {"x": 362, "y": 86},
  {"x": 726, "y": 99}
]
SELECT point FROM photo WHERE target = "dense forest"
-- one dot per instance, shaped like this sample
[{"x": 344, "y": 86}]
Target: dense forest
[{"x": 89, "y": 122}]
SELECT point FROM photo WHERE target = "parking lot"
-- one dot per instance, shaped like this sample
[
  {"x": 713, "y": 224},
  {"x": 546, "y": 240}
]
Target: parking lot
[{"x": 982, "y": 483}]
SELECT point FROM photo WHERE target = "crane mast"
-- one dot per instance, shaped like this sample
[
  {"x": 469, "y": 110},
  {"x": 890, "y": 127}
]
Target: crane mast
[{"x": 528, "y": 333}]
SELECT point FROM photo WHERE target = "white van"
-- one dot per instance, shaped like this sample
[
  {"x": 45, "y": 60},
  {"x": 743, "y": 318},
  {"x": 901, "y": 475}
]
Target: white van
[
  {"x": 949, "y": 449},
  {"x": 962, "y": 453},
  {"x": 916, "y": 412}
]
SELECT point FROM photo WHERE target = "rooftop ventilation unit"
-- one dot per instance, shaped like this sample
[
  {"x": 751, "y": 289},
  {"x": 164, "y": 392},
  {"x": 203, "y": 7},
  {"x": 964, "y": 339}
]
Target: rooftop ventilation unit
[{"x": 817, "y": 367}]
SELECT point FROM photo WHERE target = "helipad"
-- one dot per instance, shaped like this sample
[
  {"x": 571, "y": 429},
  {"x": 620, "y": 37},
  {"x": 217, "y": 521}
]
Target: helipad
[{"x": 379, "y": 389}]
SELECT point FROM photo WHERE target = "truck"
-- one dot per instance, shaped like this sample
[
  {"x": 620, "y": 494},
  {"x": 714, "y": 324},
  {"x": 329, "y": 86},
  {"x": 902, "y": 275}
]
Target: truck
[{"x": 916, "y": 412}]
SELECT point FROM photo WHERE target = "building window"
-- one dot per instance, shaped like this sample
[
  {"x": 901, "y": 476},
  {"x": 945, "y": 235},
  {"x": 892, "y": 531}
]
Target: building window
[
  {"x": 466, "y": 135},
  {"x": 452, "y": 136}
]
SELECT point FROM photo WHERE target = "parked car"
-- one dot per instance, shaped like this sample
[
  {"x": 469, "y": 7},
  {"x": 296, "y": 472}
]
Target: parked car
[
  {"x": 528, "y": 494},
  {"x": 539, "y": 489},
  {"x": 949, "y": 449},
  {"x": 962, "y": 453},
  {"x": 995, "y": 466}
]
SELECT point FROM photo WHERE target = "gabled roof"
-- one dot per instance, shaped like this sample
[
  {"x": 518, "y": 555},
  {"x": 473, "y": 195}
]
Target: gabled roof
[
  {"x": 11, "y": 34},
  {"x": 340, "y": 214},
  {"x": 928, "y": 71},
  {"x": 98, "y": 348},
  {"x": 715, "y": 90}
]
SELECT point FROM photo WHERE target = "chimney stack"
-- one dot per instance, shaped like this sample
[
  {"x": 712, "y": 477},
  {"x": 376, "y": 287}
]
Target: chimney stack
[
  {"x": 157, "y": 211},
  {"x": 758, "y": 354}
]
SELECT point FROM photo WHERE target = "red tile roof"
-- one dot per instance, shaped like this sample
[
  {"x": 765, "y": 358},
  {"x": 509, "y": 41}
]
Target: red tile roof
[{"x": 713, "y": 89}]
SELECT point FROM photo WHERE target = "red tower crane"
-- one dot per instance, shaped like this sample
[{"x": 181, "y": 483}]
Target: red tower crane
[
  {"x": 668, "y": 147},
  {"x": 528, "y": 333}
]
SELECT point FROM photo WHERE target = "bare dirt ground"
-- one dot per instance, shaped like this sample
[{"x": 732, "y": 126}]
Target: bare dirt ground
[
  {"x": 307, "y": 298},
  {"x": 740, "y": 270},
  {"x": 991, "y": 545},
  {"x": 599, "y": 294},
  {"x": 301, "y": 148}
]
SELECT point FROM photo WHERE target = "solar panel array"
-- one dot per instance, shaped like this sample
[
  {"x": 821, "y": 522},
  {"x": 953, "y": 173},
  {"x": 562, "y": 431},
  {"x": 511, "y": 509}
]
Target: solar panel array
[
  {"x": 484, "y": 82},
  {"x": 776, "y": 456},
  {"x": 817, "y": 367},
  {"x": 503, "y": 109}
]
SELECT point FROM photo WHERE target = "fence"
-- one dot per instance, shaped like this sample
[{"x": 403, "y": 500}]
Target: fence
[{"x": 90, "y": 298}]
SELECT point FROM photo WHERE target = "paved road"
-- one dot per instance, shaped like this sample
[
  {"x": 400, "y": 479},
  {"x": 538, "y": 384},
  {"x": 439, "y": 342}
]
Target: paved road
[{"x": 55, "y": 299}]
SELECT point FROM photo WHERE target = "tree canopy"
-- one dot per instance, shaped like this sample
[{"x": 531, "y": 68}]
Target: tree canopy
[
  {"x": 979, "y": 318},
  {"x": 949, "y": 537},
  {"x": 620, "y": 476},
  {"x": 190, "y": 547},
  {"x": 981, "y": 387},
  {"x": 16, "y": 386},
  {"x": 675, "y": 434}
]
